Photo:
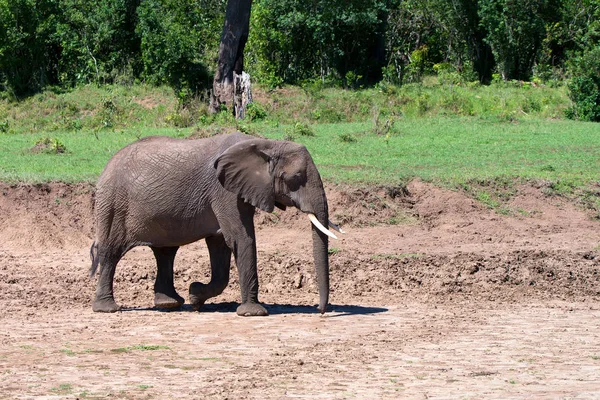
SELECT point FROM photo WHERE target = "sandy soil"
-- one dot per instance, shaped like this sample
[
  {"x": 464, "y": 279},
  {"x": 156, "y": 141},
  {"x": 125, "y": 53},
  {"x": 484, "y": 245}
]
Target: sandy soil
[{"x": 450, "y": 300}]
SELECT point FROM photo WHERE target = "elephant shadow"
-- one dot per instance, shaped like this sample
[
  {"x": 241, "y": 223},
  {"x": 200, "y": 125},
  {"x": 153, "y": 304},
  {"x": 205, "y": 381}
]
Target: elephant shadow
[{"x": 333, "y": 310}]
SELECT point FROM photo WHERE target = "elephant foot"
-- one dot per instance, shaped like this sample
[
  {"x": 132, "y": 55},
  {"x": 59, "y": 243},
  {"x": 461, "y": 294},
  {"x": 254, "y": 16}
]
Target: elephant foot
[
  {"x": 251, "y": 310},
  {"x": 162, "y": 300},
  {"x": 198, "y": 295},
  {"x": 105, "y": 305}
]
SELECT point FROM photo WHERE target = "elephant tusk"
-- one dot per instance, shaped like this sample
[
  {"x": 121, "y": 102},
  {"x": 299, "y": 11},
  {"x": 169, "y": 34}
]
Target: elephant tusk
[
  {"x": 335, "y": 227},
  {"x": 320, "y": 226}
]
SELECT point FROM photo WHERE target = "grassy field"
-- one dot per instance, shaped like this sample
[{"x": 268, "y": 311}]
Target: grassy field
[{"x": 453, "y": 136}]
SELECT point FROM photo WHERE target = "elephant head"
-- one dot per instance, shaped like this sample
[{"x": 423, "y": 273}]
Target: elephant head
[{"x": 281, "y": 174}]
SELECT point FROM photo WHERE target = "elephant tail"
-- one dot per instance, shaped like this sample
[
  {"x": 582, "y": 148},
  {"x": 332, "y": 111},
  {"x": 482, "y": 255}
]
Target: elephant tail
[{"x": 95, "y": 259}]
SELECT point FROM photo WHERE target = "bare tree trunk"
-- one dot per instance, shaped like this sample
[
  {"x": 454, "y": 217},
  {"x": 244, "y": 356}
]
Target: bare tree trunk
[
  {"x": 231, "y": 55},
  {"x": 242, "y": 94}
]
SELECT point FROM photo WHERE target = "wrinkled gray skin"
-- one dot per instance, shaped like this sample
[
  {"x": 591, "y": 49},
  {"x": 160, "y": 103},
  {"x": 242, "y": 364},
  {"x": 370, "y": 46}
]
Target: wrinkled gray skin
[{"x": 164, "y": 193}]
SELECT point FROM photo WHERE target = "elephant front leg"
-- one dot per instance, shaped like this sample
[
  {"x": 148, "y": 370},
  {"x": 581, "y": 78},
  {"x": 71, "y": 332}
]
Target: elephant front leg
[
  {"x": 245, "y": 257},
  {"x": 165, "y": 295},
  {"x": 220, "y": 261}
]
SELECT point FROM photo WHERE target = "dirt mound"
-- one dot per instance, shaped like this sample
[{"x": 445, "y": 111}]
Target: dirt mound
[
  {"x": 45, "y": 215},
  {"x": 420, "y": 239},
  {"x": 353, "y": 207}
]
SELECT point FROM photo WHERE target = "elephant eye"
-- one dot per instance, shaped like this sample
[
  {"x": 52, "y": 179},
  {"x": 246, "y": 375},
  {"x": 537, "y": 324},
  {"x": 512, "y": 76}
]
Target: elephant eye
[{"x": 294, "y": 181}]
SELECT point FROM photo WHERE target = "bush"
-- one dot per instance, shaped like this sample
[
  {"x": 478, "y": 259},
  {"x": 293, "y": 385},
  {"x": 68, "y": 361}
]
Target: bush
[
  {"x": 585, "y": 94},
  {"x": 255, "y": 112},
  {"x": 298, "y": 129},
  {"x": 4, "y": 126},
  {"x": 346, "y": 138},
  {"x": 584, "y": 87},
  {"x": 48, "y": 145}
]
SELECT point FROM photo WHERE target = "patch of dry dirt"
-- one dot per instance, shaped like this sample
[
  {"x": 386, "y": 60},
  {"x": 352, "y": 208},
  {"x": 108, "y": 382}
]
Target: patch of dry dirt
[{"x": 452, "y": 300}]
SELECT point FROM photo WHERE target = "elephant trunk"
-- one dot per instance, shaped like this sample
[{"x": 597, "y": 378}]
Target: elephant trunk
[
  {"x": 311, "y": 199},
  {"x": 321, "y": 259}
]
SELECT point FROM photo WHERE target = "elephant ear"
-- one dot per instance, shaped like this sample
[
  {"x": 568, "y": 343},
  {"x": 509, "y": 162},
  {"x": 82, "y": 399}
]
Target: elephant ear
[{"x": 243, "y": 169}]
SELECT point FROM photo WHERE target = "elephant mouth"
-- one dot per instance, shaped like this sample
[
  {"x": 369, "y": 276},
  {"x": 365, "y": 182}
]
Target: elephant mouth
[
  {"x": 284, "y": 200},
  {"x": 335, "y": 227}
]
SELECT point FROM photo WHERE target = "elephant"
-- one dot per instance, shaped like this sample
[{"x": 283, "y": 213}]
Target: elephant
[{"x": 165, "y": 192}]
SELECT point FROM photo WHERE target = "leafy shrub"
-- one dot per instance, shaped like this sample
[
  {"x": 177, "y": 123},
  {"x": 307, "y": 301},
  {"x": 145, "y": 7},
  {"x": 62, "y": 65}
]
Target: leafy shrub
[
  {"x": 109, "y": 114},
  {"x": 303, "y": 130},
  {"x": 182, "y": 118},
  {"x": 97, "y": 41},
  {"x": 49, "y": 146},
  {"x": 255, "y": 112},
  {"x": 4, "y": 126},
  {"x": 178, "y": 38},
  {"x": 353, "y": 79},
  {"x": 347, "y": 138},
  {"x": 447, "y": 75},
  {"x": 419, "y": 64},
  {"x": 584, "y": 88},
  {"x": 326, "y": 114},
  {"x": 298, "y": 129},
  {"x": 383, "y": 128},
  {"x": 27, "y": 62},
  {"x": 585, "y": 94}
]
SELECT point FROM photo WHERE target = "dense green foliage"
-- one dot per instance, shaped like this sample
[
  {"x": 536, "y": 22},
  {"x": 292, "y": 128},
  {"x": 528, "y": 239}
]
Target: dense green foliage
[
  {"x": 94, "y": 41},
  {"x": 585, "y": 87},
  {"x": 179, "y": 41},
  {"x": 515, "y": 31},
  {"x": 70, "y": 42},
  {"x": 28, "y": 58},
  {"x": 312, "y": 43},
  {"x": 293, "y": 41}
]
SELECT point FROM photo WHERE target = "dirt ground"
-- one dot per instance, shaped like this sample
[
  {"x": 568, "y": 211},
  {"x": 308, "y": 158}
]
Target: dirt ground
[{"x": 433, "y": 296}]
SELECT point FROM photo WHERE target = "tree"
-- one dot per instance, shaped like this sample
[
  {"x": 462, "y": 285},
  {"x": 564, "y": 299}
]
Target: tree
[
  {"x": 178, "y": 41},
  {"x": 231, "y": 53},
  {"x": 461, "y": 20},
  {"x": 28, "y": 55},
  {"x": 515, "y": 30},
  {"x": 584, "y": 64},
  {"x": 97, "y": 40},
  {"x": 338, "y": 40}
]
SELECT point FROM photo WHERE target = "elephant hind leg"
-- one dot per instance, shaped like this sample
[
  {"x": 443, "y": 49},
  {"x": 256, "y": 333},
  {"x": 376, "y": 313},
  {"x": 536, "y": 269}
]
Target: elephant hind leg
[
  {"x": 165, "y": 295},
  {"x": 220, "y": 261},
  {"x": 104, "y": 300}
]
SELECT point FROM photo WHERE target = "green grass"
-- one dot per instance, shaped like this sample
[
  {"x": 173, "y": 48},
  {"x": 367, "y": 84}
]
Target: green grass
[
  {"x": 89, "y": 107},
  {"x": 472, "y": 137},
  {"x": 505, "y": 102},
  {"x": 86, "y": 154},
  {"x": 443, "y": 150},
  {"x": 68, "y": 352},
  {"x": 63, "y": 389},
  {"x": 458, "y": 150},
  {"x": 140, "y": 347}
]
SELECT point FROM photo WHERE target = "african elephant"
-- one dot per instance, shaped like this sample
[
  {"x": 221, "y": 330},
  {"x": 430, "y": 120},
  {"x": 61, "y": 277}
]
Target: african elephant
[{"x": 164, "y": 193}]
